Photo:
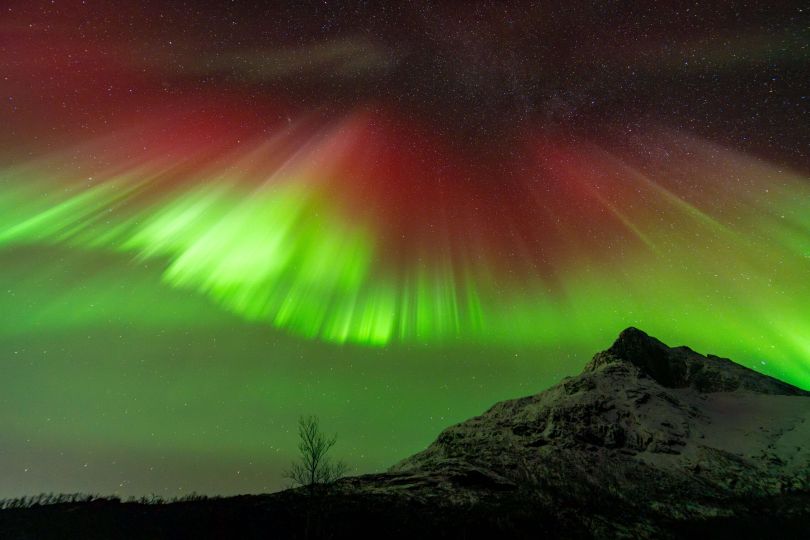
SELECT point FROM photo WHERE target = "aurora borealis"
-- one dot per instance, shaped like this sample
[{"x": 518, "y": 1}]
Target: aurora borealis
[{"x": 214, "y": 219}]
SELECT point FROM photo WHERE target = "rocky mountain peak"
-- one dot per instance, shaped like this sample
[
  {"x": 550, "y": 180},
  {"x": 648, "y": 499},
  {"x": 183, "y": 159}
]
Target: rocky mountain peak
[
  {"x": 663, "y": 433},
  {"x": 681, "y": 367}
]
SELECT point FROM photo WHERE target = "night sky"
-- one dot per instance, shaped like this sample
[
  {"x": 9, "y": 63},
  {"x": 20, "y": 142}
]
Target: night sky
[{"x": 217, "y": 218}]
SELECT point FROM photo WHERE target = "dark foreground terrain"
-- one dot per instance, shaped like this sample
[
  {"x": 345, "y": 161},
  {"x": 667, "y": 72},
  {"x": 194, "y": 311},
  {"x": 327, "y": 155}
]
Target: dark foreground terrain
[{"x": 647, "y": 442}]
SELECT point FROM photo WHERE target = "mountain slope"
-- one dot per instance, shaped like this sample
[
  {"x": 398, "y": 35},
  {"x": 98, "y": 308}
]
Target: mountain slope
[{"x": 645, "y": 437}]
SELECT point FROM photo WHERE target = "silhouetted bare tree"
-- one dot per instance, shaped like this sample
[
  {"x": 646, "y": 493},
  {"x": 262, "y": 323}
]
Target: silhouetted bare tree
[{"x": 314, "y": 466}]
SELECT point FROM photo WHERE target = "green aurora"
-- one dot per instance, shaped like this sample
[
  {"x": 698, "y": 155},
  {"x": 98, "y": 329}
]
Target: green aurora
[
  {"x": 215, "y": 220},
  {"x": 280, "y": 253}
]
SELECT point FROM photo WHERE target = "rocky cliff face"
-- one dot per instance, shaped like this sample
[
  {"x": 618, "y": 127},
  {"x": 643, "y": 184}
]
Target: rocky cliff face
[{"x": 647, "y": 437}]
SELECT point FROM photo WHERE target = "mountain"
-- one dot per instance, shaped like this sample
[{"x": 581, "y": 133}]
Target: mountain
[
  {"x": 647, "y": 436},
  {"x": 647, "y": 441}
]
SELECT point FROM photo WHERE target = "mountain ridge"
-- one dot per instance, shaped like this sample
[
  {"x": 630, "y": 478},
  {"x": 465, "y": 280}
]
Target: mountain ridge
[{"x": 681, "y": 367}]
